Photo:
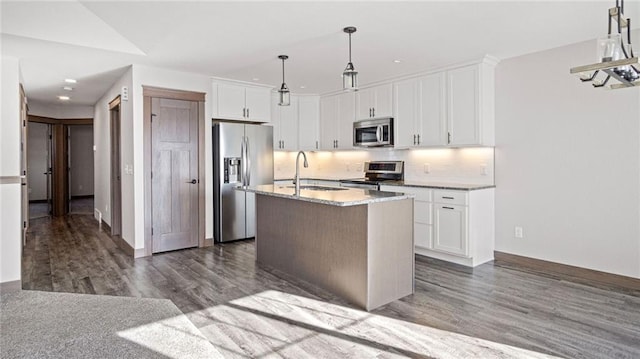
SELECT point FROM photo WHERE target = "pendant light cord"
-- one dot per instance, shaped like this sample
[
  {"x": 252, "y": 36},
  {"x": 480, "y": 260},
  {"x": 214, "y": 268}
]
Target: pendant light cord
[
  {"x": 349, "y": 47},
  {"x": 282, "y": 70}
]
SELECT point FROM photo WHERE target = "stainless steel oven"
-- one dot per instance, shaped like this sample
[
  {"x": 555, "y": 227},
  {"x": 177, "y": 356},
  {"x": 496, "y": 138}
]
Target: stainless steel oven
[{"x": 373, "y": 133}]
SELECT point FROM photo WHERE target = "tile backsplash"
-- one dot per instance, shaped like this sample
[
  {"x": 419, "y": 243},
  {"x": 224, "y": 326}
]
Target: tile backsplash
[{"x": 453, "y": 165}]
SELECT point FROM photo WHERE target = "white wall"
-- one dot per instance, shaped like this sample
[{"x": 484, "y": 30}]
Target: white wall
[
  {"x": 37, "y": 160},
  {"x": 10, "y": 193},
  {"x": 156, "y": 77},
  {"x": 462, "y": 165},
  {"x": 62, "y": 111},
  {"x": 81, "y": 151},
  {"x": 102, "y": 156},
  {"x": 567, "y": 164}
]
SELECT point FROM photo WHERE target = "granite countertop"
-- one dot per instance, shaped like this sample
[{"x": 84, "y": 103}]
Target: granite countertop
[
  {"x": 342, "y": 197},
  {"x": 440, "y": 185},
  {"x": 436, "y": 185},
  {"x": 309, "y": 179}
]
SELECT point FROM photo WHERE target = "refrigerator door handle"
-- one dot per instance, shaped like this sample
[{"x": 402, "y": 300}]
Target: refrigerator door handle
[
  {"x": 243, "y": 162},
  {"x": 248, "y": 161}
]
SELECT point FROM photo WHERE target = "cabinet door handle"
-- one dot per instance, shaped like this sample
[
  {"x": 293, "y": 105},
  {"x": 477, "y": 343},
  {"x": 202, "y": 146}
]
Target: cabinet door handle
[
  {"x": 414, "y": 139},
  {"x": 448, "y": 137},
  {"x": 418, "y": 138},
  {"x": 445, "y": 197},
  {"x": 369, "y": 111},
  {"x": 373, "y": 111},
  {"x": 247, "y": 113},
  {"x": 283, "y": 144},
  {"x": 244, "y": 112},
  {"x": 316, "y": 145},
  {"x": 447, "y": 207}
]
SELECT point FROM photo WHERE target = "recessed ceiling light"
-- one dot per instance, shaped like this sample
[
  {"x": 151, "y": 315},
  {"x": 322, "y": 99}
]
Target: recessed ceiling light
[
  {"x": 68, "y": 88},
  {"x": 397, "y": 61},
  {"x": 63, "y": 98},
  {"x": 303, "y": 87},
  {"x": 255, "y": 79},
  {"x": 70, "y": 81}
]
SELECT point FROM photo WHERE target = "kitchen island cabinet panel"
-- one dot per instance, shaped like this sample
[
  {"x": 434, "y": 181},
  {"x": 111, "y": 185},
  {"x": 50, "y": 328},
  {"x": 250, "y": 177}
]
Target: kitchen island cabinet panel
[{"x": 363, "y": 253}]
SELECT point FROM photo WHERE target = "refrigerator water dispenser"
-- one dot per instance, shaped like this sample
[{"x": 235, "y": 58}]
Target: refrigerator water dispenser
[{"x": 232, "y": 172}]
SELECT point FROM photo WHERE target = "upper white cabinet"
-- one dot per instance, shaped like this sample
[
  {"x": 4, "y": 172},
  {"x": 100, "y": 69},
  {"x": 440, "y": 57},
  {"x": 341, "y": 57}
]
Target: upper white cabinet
[
  {"x": 420, "y": 111},
  {"x": 244, "y": 103},
  {"x": 470, "y": 105},
  {"x": 308, "y": 123},
  {"x": 285, "y": 124},
  {"x": 375, "y": 102},
  {"x": 337, "y": 114},
  {"x": 296, "y": 127},
  {"x": 450, "y": 108}
]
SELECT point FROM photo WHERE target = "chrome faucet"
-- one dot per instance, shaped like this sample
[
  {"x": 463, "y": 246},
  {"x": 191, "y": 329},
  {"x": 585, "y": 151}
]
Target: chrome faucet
[{"x": 296, "y": 181}]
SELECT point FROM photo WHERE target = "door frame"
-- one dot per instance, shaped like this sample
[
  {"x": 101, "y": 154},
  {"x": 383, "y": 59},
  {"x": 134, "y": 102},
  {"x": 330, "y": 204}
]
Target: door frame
[
  {"x": 115, "y": 165},
  {"x": 149, "y": 92},
  {"x": 59, "y": 155},
  {"x": 24, "y": 190}
]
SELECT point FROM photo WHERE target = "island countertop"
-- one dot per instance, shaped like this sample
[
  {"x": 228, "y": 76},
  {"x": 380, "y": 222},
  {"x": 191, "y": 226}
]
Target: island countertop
[{"x": 340, "y": 197}]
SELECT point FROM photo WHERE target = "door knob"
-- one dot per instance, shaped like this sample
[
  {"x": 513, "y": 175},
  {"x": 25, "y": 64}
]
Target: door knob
[{"x": 193, "y": 181}]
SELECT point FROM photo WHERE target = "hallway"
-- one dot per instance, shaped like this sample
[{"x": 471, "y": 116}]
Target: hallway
[{"x": 248, "y": 311}]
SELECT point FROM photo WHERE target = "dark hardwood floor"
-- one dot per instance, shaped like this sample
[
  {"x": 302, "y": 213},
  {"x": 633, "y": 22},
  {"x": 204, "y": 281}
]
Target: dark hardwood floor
[{"x": 498, "y": 309}]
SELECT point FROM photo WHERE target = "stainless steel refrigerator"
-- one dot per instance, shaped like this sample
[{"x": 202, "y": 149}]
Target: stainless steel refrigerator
[{"x": 242, "y": 156}]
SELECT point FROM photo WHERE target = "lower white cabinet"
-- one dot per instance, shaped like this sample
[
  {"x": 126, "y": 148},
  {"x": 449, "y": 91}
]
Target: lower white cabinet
[
  {"x": 450, "y": 229},
  {"x": 453, "y": 225}
]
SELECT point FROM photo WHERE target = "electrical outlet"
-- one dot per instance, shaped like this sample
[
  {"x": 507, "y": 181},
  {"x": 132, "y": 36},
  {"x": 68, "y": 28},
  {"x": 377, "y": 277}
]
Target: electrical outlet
[
  {"x": 518, "y": 232},
  {"x": 483, "y": 169},
  {"x": 427, "y": 168}
]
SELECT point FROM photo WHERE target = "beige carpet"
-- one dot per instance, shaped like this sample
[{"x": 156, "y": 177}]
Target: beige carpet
[{"x": 62, "y": 325}]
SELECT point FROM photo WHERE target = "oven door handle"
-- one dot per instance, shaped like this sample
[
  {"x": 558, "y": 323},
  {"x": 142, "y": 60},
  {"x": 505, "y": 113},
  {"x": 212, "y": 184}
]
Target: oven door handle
[{"x": 379, "y": 133}]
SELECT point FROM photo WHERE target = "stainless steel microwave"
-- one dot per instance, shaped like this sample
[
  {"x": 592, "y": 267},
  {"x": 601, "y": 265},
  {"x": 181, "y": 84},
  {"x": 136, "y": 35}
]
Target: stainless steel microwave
[{"x": 373, "y": 133}]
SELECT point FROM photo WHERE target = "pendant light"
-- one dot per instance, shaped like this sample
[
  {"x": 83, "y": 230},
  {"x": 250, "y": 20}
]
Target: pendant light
[
  {"x": 617, "y": 60},
  {"x": 284, "y": 94},
  {"x": 350, "y": 75}
]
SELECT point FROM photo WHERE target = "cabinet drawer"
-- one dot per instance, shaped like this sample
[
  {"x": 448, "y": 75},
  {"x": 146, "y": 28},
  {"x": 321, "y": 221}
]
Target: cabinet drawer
[{"x": 450, "y": 197}]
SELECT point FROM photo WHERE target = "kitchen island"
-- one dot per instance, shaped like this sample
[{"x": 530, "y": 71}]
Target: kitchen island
[{"x": 356, "y": 243}]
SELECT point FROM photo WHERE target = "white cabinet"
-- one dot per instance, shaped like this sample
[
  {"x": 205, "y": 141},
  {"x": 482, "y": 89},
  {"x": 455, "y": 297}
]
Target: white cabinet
[
  {"x": 420, "y": 111},
  {"x": 285, "y": 124},
  {"x": 308, "y": 123},
  {"x": 453, "y": 225},
  {"x": 244, "y": 103},
  {"x": 295, "y": 127},
  {"x": 375, "y": 102},
  {"x": 337, "y": 114},
  {"x": 449, "y": 108},
  {"x": 470, "y": 105},
  {"x": 450, "y": 229}
]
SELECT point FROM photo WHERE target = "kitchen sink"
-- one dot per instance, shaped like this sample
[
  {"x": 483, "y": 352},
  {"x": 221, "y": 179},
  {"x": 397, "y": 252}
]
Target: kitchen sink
[{"x": 319, "y": 188}]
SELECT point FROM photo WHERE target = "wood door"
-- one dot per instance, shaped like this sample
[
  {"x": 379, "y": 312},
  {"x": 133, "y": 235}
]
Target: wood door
[
  {"x": 174, "y": 176},
  {"x": 23, "y": 166},
  {"x": 116, "y": 172}
]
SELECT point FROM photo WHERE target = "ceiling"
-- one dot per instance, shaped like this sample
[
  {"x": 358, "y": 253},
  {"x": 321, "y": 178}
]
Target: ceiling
[{"x": 94, "y": 42}]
